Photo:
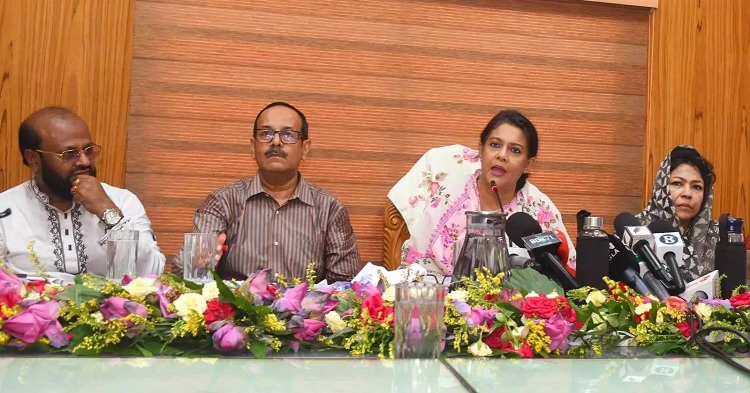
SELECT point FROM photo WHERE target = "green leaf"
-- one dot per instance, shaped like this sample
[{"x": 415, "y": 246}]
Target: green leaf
[
  {"x": 528, "y": 280},
  {"x": 225, "y": 294},
  {"x": 511, "y": 310},
  {"x": 78, "y": 294},
  {"x": 258, "y": 349},
  {"x": 145, "y": 352},
  {"x": 341, "y": 332}
]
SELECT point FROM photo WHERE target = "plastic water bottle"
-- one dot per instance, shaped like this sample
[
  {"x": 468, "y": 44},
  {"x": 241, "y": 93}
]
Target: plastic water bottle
[{"x": 734, "y": 230}]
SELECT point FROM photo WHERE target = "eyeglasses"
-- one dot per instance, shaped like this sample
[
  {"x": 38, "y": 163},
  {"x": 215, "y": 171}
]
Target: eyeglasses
[
  {"x": 266, "y": 135},
  {"x": 73, "y": 155}
]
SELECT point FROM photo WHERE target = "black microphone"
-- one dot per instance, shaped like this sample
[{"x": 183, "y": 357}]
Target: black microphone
[
  {"x": 639, "y": 239},
  {"x": 5, "y": 213},
  {"x": 668, "y": 247},
  {"x": 623, "y": 266},
  {"x": 524, "y": 229},
  {"x": 496, "y": 190}
]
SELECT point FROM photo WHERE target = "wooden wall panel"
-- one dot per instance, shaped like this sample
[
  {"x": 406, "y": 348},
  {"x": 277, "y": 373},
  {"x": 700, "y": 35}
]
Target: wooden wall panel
[
  {"x": 381, "y": 82},
  {"x": 72, "y": 53},
  {"x": 699, "y": 92}
]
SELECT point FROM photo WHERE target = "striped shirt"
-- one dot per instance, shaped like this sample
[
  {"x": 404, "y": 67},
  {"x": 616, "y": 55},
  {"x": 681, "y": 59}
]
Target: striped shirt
[{"x": 312, "y": 226}]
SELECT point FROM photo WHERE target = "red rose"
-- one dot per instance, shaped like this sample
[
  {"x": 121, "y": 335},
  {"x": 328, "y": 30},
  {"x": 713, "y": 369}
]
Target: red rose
[
  {"x": 10, "y": 299},
  {"x": 492, "y": 298},
  {"x": 217, "y": 311},
  {"x": 567, "y": 312},
  {"x": 493, "y": 340},
  {"x": 685, "y": 328},
  {"x": 36, "y": 286},
  {"x": 540, "y": 306},
  {"x": 525, "y": 350},
  {"x": 740, "y": 300},
  {"x": 376, "y": 309},
  {"x": 643, "y": 317},
  {"x": 272, "y": 290}
]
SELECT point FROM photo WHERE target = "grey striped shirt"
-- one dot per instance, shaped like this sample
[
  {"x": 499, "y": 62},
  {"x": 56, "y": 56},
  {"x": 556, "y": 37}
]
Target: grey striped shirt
[{"x": 313, "y": 226}]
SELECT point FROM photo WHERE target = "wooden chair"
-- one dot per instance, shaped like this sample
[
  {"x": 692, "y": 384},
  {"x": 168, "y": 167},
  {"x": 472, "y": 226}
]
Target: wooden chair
[{"x": 395, "y": 234}]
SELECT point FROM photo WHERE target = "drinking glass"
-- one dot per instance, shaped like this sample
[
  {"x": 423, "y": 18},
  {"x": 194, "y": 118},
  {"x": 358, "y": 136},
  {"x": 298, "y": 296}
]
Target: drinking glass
[
  {"x": 198, "y": 254},
  {"x": 122, "y": 253},
  {"x": 419, "y": 327}
]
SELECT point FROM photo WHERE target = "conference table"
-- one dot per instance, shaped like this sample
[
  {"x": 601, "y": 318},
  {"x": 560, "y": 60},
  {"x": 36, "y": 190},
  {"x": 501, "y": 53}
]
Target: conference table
[{"x": 336, "y": 372}]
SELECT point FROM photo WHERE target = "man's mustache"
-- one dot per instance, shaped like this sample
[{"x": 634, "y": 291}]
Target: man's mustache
[{"x": 275, "y": 151}]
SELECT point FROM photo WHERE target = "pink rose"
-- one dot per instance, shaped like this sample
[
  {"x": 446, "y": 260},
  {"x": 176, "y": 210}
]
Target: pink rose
[
  {"x": 39, "y": 319},
  {"x": 544, "y": 216},
  {"x": 230, "y": 338},
  {"x": 558, "y": 329},
  {"x": 434, "y": 188},
  {"x": 9, "y": 283}
]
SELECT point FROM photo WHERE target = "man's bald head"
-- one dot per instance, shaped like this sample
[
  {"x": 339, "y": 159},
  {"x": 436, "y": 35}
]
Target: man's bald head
[{"x": 39, "y": 124}]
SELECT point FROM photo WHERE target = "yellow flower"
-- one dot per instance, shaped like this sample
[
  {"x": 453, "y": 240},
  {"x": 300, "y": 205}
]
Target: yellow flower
[
  {"x": 645, "y": 307},
  {"x": 189, "y": 302},
  {"x": 704, "y": 311},
  {"x": 141, "y": 286},
  {"x": 390, "y": 294},
  {"x": 597, "y": 298},
  {"x": 210, "y": 291},
  {"x": 334, "y": 321},
  {"x": 479, "y": 348},
  {"x": 458, "y": 294}
]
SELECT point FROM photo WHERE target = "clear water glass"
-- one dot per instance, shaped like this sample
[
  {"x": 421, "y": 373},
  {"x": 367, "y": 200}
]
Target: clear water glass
[
  {"x": 198, "y": 253},
  {"x": 122, "y": 253},
  {"x": 418, "y": 323}
]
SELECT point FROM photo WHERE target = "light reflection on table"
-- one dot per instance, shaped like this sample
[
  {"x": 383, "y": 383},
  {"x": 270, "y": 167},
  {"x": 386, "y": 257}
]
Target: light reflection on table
[{"x": 330, "y": 374}]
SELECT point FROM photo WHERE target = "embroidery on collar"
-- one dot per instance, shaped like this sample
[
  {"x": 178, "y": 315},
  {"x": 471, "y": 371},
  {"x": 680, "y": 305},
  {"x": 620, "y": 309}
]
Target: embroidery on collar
[{"x": 54, "y": 222}]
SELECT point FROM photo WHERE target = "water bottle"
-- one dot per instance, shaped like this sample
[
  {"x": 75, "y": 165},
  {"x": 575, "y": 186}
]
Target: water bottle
[
  {"x": 592, "y": 250},
  {"x": 593, "y": 227},
  {"x": 734, "y": 230}
]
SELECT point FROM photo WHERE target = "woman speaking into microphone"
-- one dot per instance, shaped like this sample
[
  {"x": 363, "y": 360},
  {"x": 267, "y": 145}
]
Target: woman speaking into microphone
[
  {"x": 446, "y": 182},
  {"x": 683, "y": 194}
]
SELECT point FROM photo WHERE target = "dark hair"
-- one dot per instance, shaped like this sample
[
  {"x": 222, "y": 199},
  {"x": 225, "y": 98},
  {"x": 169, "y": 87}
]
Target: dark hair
[
  {"x": 686, "y": 155},
  {"x": 304, "y": 129},
  {"x": 514, "y": 118},
  {"x": 28, "y": 139}
]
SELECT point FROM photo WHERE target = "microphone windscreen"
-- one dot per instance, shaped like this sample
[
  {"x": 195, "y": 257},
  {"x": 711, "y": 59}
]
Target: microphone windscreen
[
  {"x": 520, "y": 225},
  {"x": 661, "y": 226},
  {"x": 625, "y": 220},
  {"x": 621, "y": 262}
]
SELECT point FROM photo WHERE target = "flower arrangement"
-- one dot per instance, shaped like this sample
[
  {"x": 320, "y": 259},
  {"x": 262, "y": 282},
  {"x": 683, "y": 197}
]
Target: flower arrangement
[{"x": 525, "y": 315}]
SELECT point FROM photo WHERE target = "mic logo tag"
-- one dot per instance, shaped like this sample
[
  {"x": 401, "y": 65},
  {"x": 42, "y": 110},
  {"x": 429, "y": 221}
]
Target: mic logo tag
[{"x": 668, "y": 239}]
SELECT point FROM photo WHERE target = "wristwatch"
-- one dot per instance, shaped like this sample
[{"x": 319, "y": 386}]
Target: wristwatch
[{"x": 110, "y": 218}]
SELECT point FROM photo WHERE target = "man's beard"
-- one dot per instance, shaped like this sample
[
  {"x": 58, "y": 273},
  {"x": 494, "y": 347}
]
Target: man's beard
[{"x": 60, "y": 186}]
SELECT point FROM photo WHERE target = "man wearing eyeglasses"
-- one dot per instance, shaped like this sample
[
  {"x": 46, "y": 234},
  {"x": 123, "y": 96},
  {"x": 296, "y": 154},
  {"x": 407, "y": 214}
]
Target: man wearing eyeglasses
[
  {"x": 277, "y": 219},
  {"x": 64, "y": 209}
]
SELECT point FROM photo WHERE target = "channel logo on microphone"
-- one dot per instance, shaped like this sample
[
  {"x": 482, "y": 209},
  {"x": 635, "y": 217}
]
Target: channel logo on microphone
[{"x": 668, "y": 239}]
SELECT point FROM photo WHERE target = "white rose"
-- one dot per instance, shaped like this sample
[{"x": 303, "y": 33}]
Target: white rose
[
  {"x": 210, "y": 291},
  {"x": 190, "y": 302},
  {"x": 33, "y": 296},
  {"x": 334, "y": 321},
  {"x": 597, "y": 298},
  {"x": 458, "y": 294},
  {"x": 532, "y": 294},
  {"x": 97, "y": 316},
  {"x": 390, "y": 294},
  {"x": 141, "y": 286},
  {"x": 643, "y": 308},
  {"x": 553, "y": 295},
  {"x": 704, "y": 311},
  {"x": 479, "y": 348}
]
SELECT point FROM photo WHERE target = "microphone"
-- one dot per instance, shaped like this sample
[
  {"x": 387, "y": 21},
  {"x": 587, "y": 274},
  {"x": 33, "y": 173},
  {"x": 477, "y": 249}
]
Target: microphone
[
  {"x": 496, "y": 190},
  {"x": 524, "y": 229},
  {"x": 5, "y": 213},
  {"x": 668, "y": 248},
  {"x": 639, "y": 239},
  {"x": 623, "y": 261}
]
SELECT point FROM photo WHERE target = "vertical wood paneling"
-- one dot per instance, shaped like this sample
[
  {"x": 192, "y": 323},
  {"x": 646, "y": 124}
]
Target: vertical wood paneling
[
  {"x": 699, "y": 92},
  {"x": 72, "y": 53},
  {"x": 381, "y": 82}
]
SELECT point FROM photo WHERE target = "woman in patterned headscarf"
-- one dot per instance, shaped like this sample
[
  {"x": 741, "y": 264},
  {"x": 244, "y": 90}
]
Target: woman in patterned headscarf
[{"x": 683, "y": 194}]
